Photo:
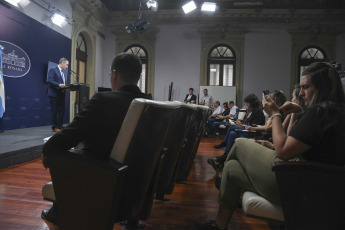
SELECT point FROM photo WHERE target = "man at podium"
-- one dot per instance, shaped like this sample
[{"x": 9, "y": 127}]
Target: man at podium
[{"x": 56, "y": 92}]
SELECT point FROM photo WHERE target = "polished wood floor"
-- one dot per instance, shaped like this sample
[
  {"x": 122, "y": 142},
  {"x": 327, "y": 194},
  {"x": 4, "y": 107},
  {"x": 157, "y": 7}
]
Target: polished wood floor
[{"x": 194, "y": 201}]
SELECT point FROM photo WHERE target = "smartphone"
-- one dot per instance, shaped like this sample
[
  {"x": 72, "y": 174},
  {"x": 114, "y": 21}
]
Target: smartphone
[{"x": 266, "y": 92}]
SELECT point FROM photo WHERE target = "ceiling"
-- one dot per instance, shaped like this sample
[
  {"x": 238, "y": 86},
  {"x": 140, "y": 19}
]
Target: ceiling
[{"x": 133, "y": 5}]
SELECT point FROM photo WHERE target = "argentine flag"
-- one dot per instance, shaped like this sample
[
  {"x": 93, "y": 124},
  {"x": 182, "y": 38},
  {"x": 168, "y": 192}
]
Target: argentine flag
[{"x": 2, "y": 86}]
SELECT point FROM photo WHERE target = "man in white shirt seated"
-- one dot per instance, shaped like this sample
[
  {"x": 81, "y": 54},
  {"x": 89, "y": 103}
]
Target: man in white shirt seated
[
  {"x": 233, "y": 110},
  {"x": 217, "y": 111},
  {"x": 206, "y": 100},
  {"x": 221, "y": 119}
]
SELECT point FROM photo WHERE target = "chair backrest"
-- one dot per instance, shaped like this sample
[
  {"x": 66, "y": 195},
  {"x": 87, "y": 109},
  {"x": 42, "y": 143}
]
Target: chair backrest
[
  {"x": 139, "y": 146},
  {"x": 193, "y": 137},
  {"x": 205, "y": 112},
  {"x": 312, "y": 195},
  {"x": 175, "y": 142}
]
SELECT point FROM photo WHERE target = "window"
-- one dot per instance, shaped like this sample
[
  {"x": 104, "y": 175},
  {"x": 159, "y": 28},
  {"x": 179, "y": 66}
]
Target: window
[
  {"x": 308, "y": 56},
  {"x": 221, "y": 64},
  {"x": 142, "y": 54}
]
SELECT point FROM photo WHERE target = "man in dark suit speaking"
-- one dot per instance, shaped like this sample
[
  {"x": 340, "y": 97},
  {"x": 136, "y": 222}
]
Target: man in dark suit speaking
[
  {"x": 56, "y": 92},
  {"x": 99, "y": 124}
]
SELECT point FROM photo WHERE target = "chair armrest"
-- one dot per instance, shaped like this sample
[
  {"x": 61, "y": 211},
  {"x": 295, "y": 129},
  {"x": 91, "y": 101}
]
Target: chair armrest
[
  {"x": 80, "y": 158},
  {"x": 244, "y": 131},
  {"x": 81, "y": 182},
  {"x": 251, "y": 133},
  {"x": 312, "y": 194},
  {"x": 304, "y": 166}
]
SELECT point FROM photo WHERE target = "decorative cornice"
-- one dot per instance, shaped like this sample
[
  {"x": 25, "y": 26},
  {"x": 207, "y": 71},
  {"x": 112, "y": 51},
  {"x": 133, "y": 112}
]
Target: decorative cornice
[
  {"x": 237, "y": 18},
  {"x": 315, "y": 30},
  {"x": 95, "y": 8},
  {"x": 84, "y": 14},
  {"x": 151, "y": 33}
]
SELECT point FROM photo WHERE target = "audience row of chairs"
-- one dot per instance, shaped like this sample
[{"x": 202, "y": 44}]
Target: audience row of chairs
[{"x": 155, "y": 148}]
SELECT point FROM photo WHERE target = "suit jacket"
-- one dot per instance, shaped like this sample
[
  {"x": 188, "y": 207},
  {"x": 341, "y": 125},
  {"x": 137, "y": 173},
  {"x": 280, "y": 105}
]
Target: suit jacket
[
  {"x": 191, "y": 99},
  {"x": 54, "y": 79},
  {"x": 97, "y": 126}
]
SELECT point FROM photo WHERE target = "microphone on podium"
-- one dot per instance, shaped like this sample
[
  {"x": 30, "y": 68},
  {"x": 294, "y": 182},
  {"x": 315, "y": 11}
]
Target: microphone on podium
[
  {"x": 72, "y": 71},
  {"x": 74, "y": 77}
]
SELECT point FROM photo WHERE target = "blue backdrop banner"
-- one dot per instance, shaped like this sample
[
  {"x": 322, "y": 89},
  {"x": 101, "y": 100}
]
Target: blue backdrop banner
[
  {"x": 2, "y": 86},
  {"x": 28, "y": 47}
]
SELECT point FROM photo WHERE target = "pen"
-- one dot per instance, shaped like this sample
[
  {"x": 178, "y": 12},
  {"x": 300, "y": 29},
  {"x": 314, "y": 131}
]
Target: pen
[{"x": 248, "y": 125}]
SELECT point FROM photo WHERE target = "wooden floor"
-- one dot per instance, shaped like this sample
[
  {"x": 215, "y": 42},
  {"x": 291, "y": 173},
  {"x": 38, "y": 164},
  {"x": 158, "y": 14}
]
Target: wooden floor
[{"x": 195, "y": 201}]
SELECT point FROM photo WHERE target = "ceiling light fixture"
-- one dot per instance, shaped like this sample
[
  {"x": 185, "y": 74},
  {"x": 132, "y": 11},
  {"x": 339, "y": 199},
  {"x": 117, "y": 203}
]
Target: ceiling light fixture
[
  {"x": 18, "y": 3},
  {"x": 141, "y": 24},
  {"x": 188, "y": 7},
  {"x": 152, "y": 5},
  {"x": 58, "y": 19},
  {"x": 208, "y": 6}
]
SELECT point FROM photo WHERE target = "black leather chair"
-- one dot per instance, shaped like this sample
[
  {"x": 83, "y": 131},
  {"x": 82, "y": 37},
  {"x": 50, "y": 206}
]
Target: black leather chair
[
  {"x": 94, "y": 195},
  {"x": 175, "y": 143},
  {"x": 83, "y": 190},
  {"x": 193, "y": 137},
  {"x": 206, "y": 112},
  {"x": 312, "y": 195}
]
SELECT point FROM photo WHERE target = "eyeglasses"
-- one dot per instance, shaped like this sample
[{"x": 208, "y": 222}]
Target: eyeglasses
[{"x": 110, "y": 72}]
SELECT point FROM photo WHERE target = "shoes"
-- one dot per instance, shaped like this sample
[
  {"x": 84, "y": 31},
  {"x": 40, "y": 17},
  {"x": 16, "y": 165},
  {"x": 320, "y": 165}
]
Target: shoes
[
  {"x": 56, "y": 130},
  {"x": 220, "y": 146},
  {"x": 209, "y": 225},
  {"x": 50, "y": 215},
  {"x": 214, "y": 164}
]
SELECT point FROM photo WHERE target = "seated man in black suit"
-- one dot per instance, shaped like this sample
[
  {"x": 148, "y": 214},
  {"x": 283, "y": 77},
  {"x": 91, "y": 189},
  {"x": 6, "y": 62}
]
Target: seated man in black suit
[
  {"x": 99, "y": 124},
  {"x": 190, "y": 97}
]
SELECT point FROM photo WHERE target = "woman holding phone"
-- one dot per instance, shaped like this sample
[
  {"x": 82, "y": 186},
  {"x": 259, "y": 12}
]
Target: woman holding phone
[{"x": 317, "y": 136}]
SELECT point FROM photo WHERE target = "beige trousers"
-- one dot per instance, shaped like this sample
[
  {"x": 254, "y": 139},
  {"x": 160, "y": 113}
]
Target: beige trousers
[{"x": 248, "y": 168}]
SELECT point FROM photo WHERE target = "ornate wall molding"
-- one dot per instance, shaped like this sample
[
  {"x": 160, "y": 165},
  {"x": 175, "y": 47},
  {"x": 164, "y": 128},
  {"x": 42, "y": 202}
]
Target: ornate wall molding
[
  {"x": 148, "y": 41},
  {"x": 237, "y": 17},
  {"x": 211, "y": 36},
  {"x": 315, "y": 35}
]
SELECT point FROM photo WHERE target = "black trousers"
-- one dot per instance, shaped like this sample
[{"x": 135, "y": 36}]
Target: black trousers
[{"x": 57, "y": 106}]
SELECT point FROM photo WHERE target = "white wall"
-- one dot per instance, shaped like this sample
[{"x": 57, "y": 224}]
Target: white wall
[
  {"x": 267, "y": 61},
  {"x": 43, "y": 16},
  {"x": 108, "y": 53},
  {"x": 177, "y": 61},
  {"x": 340, "y": 50}
]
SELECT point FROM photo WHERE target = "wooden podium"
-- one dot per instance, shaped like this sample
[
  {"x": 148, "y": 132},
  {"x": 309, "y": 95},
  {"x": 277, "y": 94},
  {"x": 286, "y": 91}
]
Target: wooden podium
[{"x": 82, "y": 95}]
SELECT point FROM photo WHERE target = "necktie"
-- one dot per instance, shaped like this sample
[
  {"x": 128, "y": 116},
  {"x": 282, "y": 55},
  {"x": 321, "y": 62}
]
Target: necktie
[{"x": 63, "y": 77}]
